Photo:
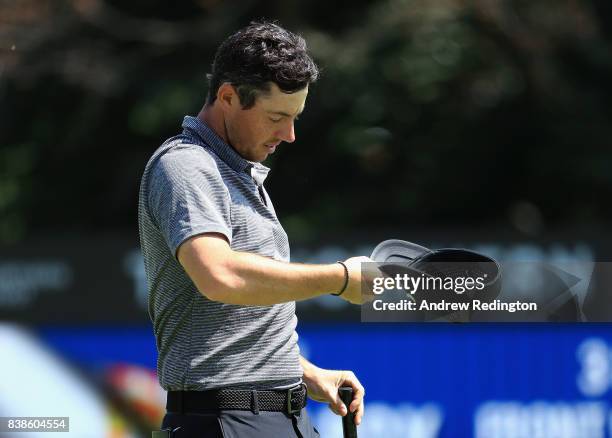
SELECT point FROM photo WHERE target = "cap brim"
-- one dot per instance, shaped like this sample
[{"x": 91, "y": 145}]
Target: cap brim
[{"x": 398, "y": 251}]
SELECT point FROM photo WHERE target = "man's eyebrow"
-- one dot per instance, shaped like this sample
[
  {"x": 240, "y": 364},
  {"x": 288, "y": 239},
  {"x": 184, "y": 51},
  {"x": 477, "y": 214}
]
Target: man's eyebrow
[{"x": 282, "y": 113}]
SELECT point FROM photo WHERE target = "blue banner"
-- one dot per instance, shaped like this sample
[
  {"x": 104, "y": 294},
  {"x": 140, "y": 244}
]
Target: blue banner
[{"x": 434, "y": 380}]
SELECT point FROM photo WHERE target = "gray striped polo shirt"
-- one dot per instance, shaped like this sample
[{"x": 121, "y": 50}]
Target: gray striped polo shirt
[{"x": 195, "y": 183}]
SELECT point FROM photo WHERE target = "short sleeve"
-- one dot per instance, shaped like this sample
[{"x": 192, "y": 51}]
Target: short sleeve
[{"x": 187, "y": 196}]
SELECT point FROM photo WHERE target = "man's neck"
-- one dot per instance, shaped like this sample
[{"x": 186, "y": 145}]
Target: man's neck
[{"x": 213, "y": 117}]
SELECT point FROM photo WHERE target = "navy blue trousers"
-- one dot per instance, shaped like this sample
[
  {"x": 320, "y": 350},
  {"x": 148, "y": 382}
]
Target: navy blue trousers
[{"x": 240, "y": 424}]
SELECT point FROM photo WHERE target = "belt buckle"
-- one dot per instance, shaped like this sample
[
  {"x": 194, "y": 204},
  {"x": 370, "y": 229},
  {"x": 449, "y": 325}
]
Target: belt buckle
[{"x": 290, "y": 392}]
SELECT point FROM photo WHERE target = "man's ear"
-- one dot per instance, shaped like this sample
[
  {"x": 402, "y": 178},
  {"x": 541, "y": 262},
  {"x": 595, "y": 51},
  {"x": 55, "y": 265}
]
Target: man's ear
[{"x": 226, "y": 95}]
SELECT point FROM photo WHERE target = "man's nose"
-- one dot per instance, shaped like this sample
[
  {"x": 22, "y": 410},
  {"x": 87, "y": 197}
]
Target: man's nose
[{"x": 288, "y": 134}]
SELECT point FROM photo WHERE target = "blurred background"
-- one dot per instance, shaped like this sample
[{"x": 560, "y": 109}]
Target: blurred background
[{"x": 482, "y": 124}]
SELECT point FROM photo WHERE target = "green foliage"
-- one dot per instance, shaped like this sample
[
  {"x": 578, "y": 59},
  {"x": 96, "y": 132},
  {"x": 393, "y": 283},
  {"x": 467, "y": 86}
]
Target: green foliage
[
  {"x": 445, "y": 112},
  {"x": 160, "y": 109},
  {"x": 16, "y": 166}
]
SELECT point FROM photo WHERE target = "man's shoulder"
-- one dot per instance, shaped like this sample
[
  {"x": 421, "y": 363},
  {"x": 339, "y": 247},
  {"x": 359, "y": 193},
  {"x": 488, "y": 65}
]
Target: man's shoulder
[{"x": 180, "y": 153}]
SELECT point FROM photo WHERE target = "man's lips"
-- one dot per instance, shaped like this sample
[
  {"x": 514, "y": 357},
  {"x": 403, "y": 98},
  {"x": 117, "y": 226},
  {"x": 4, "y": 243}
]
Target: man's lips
[{"x": 273, "y": 145}]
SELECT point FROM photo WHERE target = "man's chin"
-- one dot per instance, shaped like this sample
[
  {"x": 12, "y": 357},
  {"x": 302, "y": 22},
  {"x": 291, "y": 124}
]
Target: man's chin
[
  {"x": 267, "y": 152},
  {"x": 258, "y": 158}
]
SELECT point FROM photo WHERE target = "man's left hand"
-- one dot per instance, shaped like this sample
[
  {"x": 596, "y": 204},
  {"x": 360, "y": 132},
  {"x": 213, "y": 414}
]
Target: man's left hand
[{"x": 323, "y": 387}]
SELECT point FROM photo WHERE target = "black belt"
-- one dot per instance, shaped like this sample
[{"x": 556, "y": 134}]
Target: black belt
[{"x": 290, "y": 400}]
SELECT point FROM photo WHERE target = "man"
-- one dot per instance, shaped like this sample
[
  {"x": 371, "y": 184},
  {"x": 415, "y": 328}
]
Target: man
[{"x": 221, "y": 289}]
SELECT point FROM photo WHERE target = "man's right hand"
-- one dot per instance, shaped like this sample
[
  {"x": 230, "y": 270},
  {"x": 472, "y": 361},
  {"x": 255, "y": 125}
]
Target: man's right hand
[{"x": 357, "y": 273}]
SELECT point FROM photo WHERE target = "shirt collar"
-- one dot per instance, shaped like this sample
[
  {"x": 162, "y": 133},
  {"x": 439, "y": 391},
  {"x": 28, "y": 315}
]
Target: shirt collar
[{"x": 195, "y": 126}]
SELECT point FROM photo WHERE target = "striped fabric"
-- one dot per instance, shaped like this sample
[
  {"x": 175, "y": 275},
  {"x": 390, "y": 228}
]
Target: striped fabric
[{"x": 195, "y": 183}]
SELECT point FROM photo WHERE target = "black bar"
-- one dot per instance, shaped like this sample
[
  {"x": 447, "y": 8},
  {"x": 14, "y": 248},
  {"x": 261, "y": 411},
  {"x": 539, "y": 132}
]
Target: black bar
[{"x": 349, "y": 429}]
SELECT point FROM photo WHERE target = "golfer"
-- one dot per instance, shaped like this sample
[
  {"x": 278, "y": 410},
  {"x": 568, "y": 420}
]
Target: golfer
[{"x": 222, "y": 291}]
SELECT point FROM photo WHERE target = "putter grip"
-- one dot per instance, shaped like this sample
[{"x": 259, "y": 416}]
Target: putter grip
[{"x": 349, "y": 429}]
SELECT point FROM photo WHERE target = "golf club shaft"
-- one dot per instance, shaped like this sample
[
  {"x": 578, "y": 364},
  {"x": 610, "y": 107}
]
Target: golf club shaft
[{"x": 349, "y": 429}]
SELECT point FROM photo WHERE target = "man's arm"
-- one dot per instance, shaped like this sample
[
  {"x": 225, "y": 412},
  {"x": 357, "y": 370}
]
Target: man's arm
[
  {"x": 323, "y": 387},
  {"x": 233, "y": 277}
]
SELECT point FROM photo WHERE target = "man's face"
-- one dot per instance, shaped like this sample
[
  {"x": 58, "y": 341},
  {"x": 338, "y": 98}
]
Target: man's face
[{"x": 256, "y": 132}]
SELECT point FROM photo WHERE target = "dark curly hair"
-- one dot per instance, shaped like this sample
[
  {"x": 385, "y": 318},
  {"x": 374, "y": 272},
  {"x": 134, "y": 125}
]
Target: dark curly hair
[{"x": 258, "y": 54}]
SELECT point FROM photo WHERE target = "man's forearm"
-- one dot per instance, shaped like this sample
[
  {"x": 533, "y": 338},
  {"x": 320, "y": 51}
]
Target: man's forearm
[
  {"x": 256, "y": 280},
  {"x": 249, "y": 279},
  {"x": 309, "y": 369},
  {"x": 234, "y": 277}
]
